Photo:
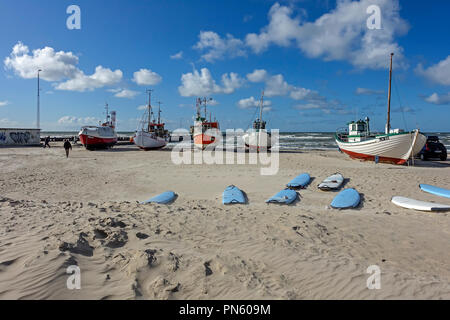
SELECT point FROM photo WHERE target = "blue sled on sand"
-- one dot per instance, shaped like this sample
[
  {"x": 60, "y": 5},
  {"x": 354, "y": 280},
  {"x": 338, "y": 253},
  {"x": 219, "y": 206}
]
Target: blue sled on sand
[
  {"x": 163, "y": 198},
  {"x": 299, "y": 182},
  {"x": 435, "y": 190},
  {"x": 232, "y": 195},
  {"x": 286, "y": 196},
  {"x": 348, "y": 198}
]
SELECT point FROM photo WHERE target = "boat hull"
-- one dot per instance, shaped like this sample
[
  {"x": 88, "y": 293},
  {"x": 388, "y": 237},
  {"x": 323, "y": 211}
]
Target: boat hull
[
  {"x": 259, "y": 140},
  {"x": 91, "y": 142},
  {"x": 148, "y": 141},
  {"x": 392, "y": 148},
  {"x": 203, "y": 140}
]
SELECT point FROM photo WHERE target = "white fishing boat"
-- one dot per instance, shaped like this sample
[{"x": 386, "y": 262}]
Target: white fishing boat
[
  {"x": 151, "y": 134},
  {"x": 393, "y": 146},
  {"x": 258, "y": 138}
]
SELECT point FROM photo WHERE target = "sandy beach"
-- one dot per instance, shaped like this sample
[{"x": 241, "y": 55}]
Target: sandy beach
[{"x": 84, "y": 211}]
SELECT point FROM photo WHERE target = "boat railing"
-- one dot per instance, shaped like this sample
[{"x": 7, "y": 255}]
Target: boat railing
[{"x": 342, "y": 134}]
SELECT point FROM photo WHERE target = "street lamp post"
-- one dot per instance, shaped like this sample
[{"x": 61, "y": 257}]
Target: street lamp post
[{"x": 38, "y": 101}]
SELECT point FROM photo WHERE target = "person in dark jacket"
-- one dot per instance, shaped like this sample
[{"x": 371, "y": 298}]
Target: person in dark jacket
[
  {"x": 67, "y": 147},
  {"x": 47, "y": 142}
]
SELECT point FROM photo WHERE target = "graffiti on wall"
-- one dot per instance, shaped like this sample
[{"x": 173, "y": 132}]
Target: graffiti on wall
[{"x": 20, "y": 137}]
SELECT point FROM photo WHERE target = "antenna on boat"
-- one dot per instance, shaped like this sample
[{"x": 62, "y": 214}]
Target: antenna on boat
[
  {"x": 204, "y": 101},
  {"x": 159, "y": 112},
  {"x": 107, "y": 112},
  {"x": 261, "y": 107},
  {"x": 149, "y": 91},
  {"x": 198, "y": 105},
  {"x": 388, "y": 124}
]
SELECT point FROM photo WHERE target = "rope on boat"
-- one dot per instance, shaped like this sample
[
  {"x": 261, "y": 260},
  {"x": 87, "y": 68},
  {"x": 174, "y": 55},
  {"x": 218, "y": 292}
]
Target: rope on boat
[{"x": 401, "y": 105}]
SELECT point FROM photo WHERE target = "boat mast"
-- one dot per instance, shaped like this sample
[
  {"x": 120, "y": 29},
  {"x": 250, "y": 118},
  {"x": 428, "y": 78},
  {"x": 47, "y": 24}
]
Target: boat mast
[
  {"x": 388, "y": 124},
  {"x": 159, "y": 112},
  {"x": 107, "y": 113},
  {"x": 38, "y": 125},
  {"x": 149, "y": 91},
  {"x": 204, "y": 101},
  {"x": 261, "y": 109}
]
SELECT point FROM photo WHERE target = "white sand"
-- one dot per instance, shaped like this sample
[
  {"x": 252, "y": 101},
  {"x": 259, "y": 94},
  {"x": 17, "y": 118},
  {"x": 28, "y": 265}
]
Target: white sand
[{"x": 198, "y": 248}]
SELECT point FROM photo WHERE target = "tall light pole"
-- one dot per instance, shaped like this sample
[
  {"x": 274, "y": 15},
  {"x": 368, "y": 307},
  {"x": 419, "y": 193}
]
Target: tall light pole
[{"x": 38, "y": 101}]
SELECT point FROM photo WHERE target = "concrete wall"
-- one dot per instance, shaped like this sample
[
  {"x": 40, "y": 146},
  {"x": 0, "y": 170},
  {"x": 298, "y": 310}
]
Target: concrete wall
[{"x": 19, "y": 137}]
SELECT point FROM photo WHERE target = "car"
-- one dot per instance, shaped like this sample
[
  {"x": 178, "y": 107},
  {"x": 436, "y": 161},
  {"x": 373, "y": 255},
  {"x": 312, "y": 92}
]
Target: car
[{"x": 433, "y": 149}]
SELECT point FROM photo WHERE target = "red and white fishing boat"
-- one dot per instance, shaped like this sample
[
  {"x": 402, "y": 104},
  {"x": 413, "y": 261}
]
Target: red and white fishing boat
[
  {"x": 394, "y": 146},
  {"x": 258, "y": 138},
  {"x": 205, "y": 133},
  {"x": 151, "y": 134},
  {"x": 100, "y": 137}
]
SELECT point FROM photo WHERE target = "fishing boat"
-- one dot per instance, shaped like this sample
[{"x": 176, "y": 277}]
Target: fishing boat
[
  {"x": 393, "y": 146},
  {"x": 258, "y": 138},
  {"x": 100, "y": 137},
  {"x": 151, "y": 134},
  {"x": 205, "y": 133}
]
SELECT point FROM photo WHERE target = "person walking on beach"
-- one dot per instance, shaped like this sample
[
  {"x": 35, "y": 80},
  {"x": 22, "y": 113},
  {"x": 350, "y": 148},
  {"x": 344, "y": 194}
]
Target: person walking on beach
[
  {"x": 47, "y": 142},
  {"x": 67, "y": 146}
]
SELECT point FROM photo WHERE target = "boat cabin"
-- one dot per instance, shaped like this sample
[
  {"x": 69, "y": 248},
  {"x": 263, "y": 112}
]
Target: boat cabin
[
  {"x": 158, "y": 129},
  {"x": 358, "y": 130},
  {"x": 257, "y": 124}
]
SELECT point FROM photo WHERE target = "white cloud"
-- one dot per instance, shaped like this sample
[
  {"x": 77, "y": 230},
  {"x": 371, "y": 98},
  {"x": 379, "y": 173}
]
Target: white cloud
[
  {"x": 126, "y": 93},
  {"x": 438, "y": 99},
  {"x": 202, "y": 83},
  {"x": 274, "y": 85},
  {"x": 145, "y": 77},
  {"x": 342, "y": 34},
  {"x": 258, "y": 75},
  {"x": 142, "y": 107},
  {"x": 339, "y": 35},
  {"x": 72, "y": 120},
  {"x": 58, "y": 66},
  {"x": 213, "y": 102},
  {"x": 277, "y": 86},
  {"x": 281, "y": 30},
  {"x": 177, "y": 56},
  {"x": 100, "y": 78},
  {"x": 307, "y": 106},
  {"x": 438, "y": 73},
  {"x": 365, "y": 91},
  {"x": 218, "y": 48},
  {"x": 231, "y": 82},
  {"x": 55, "y": 65},
  {"x": 4, "y": 103},
  {"x": 253, "y": 103}
]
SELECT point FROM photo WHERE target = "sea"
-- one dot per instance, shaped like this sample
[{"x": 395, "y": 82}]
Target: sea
[{"x": 288, "y": 140}]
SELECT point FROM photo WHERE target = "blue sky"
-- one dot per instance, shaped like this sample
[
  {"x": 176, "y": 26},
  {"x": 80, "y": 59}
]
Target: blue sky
[{"x": 318, "y": 62}]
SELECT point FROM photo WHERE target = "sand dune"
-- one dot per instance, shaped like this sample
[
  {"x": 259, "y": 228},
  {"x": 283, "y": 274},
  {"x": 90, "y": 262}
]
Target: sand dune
[{"x": 84, "y": 211}]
